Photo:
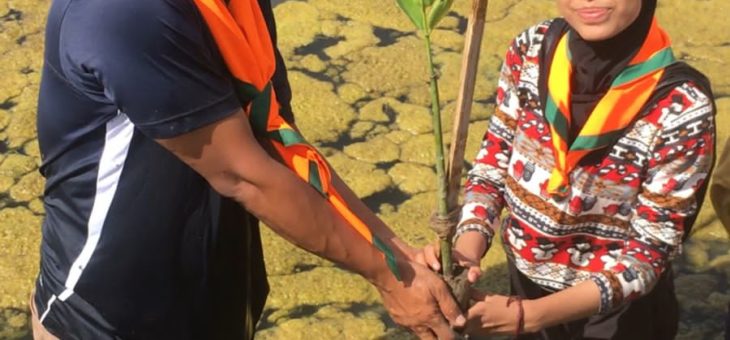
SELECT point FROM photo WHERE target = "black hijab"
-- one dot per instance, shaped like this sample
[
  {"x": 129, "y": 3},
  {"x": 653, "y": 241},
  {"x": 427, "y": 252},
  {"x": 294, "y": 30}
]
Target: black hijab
[{"x": 597, "y": 63}]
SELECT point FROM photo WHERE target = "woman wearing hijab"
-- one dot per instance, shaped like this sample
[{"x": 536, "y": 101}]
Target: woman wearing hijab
[{"x": 599, "y": 149}]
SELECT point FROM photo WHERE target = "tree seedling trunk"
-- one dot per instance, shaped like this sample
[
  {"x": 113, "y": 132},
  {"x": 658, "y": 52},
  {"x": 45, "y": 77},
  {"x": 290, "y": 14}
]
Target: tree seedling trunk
[{"x": 425, "y": 14}]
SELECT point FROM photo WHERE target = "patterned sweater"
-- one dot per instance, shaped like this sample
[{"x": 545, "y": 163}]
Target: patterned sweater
[{"x": 624, "y": 217}]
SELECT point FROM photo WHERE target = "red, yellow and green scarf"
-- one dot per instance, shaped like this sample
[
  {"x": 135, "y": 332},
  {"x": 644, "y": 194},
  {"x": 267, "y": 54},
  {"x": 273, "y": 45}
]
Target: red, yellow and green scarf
[
  {"x": 618, "y": 108},
  {"x": 240, "y": 31}
]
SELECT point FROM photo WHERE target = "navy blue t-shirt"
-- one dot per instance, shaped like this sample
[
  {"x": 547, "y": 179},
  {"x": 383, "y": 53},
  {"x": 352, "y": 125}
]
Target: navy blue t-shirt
[{"x": 129, "y": 228}]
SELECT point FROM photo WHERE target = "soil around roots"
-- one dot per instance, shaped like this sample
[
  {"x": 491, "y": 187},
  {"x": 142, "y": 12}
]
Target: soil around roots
[{"x": 459, "y": 285}]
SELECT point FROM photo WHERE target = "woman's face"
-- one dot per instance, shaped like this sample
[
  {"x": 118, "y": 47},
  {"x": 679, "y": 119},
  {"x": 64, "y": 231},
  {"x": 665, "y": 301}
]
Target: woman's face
[{"x": 597, "y": 20}]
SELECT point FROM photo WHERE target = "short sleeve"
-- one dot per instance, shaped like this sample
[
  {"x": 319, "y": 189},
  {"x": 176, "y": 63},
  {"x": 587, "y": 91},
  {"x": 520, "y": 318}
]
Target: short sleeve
[{"x": 154, "y": 60}]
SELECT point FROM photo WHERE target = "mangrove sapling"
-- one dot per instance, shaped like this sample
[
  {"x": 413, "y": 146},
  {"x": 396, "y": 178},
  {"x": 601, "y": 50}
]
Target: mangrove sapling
[{"x": 425, "y": 15}]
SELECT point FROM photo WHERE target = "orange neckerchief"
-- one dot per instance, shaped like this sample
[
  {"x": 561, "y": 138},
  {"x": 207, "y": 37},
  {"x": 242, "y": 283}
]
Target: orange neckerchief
[
  {"x": 240, "y": 31},
  {"x": 617, "y": 109}
]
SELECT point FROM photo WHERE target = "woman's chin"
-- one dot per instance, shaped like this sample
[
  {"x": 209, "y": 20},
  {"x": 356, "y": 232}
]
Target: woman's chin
[{"x": 596, "y": 32}]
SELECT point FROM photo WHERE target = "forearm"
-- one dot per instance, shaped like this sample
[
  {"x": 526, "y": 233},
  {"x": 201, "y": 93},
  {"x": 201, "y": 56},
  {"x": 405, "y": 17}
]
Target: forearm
[
  {"x": 472, "y": 245},
  {"x": 574, "y": 303},
  {"x": 235, "y": 164},
  {"x": 376, "y": 225},
  {"x": 310, "y": 222}
]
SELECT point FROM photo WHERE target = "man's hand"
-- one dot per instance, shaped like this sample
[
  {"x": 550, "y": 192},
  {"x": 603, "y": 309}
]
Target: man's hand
[
  {"x": 227, "y": 154},
  {"x": 422, "y": 303}
]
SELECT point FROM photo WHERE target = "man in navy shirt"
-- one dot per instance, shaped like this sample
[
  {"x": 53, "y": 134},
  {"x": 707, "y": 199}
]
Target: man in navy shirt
[{"x": 149, "y": 159}]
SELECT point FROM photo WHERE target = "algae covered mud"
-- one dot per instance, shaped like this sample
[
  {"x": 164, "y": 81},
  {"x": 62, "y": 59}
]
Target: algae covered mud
[{"x": 359, "y": 94}]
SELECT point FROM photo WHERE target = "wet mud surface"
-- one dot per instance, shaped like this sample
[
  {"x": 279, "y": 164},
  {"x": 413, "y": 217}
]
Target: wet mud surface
[{"x": 360, "y": 93}]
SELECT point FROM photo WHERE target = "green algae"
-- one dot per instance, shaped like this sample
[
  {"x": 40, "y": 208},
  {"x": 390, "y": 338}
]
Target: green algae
[
  {"x": 28, "y": 187},
  {"x": 284, "y": 258},
  {"x": 36, "y": 206},
  {"x": 417, "y": 150},
  {"x": 449, "y": 73},
  {"x": 479, "y": 112},
  {"x": 450, "y": 23},
  {"x": 351, "y": 93},
  {"x": 415, "y": 119},
  {"x": 320, "y": 284},
  {"x": 331, "y": 28},
  {"x": 363, "y": 178},
  {"x": 298, "y": 23},
  {"x": 312, "y": 63},
  {"x": 713, "y": 60},
  {"x": 361, "y": 129},
  {"x": 696, "y": 255},
  {"x": 447, "y": 39},
  {"x": 6, "y": 183},
  {"x": 19, "y": 232},
  {"x": 711, "y": 229},
  {"x": 723, "y": 122},
  {"x": 379, "y": 130},
  {"x": 398, "y": 136},
  {"x": 377, "y": 150},
  {"x": 14, "y": 324},
  {"x": 357, "y": 35},
  {"x": 4, "y": 119},
  {"x": 377, "y": 13},
  {"x": 22, "y": 119},
  {"x": 378, "y": 110},
  {"x": 17, "y": 165},
  {"x": 392, "y": 70},
  {"x": 365, "y": 84},
  {"x": 32, "y": 149},
  {"x": 688, "y": 24},
  {"x": 328, "y": 322},
  {"x": 410, "y": 219},
  {"x": 321, "y": 115},
  {"x": 413, "y": 178},
  {"x": 474, "y": 140}
]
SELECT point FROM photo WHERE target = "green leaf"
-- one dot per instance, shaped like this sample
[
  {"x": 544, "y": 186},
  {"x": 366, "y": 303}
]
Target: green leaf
[
  {"x": 414, "y": 11},
  {"x": 438, "y": 11}
]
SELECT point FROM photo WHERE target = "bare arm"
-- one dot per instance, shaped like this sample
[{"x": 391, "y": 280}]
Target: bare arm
[
  {"x": 377, "y": 226},
  {"x": 493, "y": 315},
  {"x": 227, "y": 154},
  {"x": 574, "y": 303},
  {"x": 229, "y": 157}
]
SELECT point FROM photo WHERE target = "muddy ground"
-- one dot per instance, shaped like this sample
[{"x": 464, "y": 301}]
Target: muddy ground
[{"x": 358, "y": 75}]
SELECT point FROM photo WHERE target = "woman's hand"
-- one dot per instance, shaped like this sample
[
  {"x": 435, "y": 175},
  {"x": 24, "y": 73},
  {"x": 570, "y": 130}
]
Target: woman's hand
[
  {"x": 467, "y": 253},
  {"x": 499, "y": 314},
  {"x": 491, "y": 314}
]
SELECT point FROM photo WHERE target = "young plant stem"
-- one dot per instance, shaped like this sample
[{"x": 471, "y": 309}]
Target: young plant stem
[{"x": 444, "y": 242}]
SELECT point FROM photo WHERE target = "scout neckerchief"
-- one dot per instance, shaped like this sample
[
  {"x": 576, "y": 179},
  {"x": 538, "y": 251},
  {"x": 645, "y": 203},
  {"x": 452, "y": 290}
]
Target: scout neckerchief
[
  {"x": 618, "y": 108},
  {"x": 240, "y": 31}
]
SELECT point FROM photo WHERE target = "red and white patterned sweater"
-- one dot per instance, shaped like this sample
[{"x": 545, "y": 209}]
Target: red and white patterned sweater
[{"x": 624, "y": 217}]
